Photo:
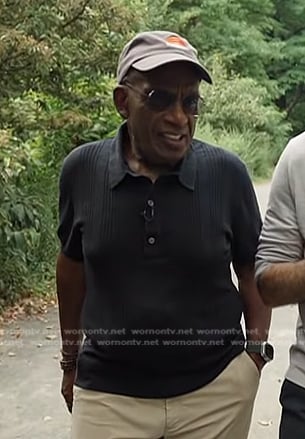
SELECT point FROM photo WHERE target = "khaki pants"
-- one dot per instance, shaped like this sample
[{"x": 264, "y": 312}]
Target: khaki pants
[{"x": 220, "y": 410}]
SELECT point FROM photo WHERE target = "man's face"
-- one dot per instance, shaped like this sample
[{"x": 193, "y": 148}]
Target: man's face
[{"x": 162, "y": 136}]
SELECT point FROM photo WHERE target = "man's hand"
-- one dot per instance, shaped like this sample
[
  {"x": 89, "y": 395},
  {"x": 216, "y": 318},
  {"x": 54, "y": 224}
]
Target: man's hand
[
  {"x": 67, "y": 388},
  {"x": 258, "y": 360}
]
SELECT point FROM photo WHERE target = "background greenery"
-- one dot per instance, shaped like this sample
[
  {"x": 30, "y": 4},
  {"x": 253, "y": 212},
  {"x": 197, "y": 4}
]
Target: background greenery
[{"x": 57, "y": 72}]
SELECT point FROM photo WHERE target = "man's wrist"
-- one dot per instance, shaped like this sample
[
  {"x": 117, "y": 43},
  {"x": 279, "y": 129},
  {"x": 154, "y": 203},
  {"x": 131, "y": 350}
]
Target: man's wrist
[
  {"x": 69, "y": 354},
  {"x": 261, "y": 348},
  {"x": 68, "y": 366},
  {"x": 69, "y": 360}
]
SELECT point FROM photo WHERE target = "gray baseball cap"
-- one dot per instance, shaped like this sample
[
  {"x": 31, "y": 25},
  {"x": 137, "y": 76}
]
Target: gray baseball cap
[{"x": 148, "y": 50}]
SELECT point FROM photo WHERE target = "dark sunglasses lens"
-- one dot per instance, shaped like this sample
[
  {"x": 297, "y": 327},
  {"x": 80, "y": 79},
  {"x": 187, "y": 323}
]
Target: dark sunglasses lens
[
  {"x": 159, "y": 100},
  {"x": 192, "y": 105}
]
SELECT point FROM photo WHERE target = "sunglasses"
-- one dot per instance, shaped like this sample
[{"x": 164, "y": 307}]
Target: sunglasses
[{"x": 161, "y": 100}]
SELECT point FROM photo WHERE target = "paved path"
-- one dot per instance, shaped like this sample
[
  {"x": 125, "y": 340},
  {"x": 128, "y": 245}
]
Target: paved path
[{"x": 30, "y": 403}]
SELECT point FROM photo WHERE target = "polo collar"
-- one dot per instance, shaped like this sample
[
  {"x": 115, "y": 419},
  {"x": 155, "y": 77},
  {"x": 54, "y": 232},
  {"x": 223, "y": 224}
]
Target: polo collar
[{"x": 186, "y": 171}]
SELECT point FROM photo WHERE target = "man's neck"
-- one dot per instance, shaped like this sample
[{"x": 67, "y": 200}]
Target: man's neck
[{"x": 137, "y": 165}]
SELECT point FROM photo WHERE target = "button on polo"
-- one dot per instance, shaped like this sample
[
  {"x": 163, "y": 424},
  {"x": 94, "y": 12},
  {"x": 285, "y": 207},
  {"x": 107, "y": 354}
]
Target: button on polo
[{"x": 151, "y": 240}]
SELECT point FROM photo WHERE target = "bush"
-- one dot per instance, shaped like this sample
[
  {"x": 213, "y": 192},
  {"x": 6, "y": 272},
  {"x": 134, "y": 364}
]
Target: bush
[
  {"x": 239, "y": 114},
  {"x": 31, "y": 155},
  {"x": 19, "y": 219},
  {"x": 247, "y": 145}
]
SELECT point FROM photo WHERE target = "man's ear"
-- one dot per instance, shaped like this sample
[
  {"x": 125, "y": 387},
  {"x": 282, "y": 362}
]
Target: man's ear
[{"x": 120, "y": 98}]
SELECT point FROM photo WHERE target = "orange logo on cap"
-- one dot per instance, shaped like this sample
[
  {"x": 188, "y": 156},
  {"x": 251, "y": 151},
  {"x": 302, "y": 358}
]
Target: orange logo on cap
[{"x": 175, "y": 39}]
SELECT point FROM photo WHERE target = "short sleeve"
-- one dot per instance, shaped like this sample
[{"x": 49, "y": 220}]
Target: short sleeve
[
  {"x": 247, "y": 221},
  {"x": 69, "y": 230},
  {"x": 281, "y": 240}
]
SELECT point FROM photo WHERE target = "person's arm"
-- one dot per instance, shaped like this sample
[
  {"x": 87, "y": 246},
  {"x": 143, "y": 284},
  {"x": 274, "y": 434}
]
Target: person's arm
[
  {"x": 71, "y": 290},
  {"x": 70, "y": 280},
  {"x": 283, "y": 283},
  {"x": 70, "y": 276},
  {"x": 280, "y": 265},
  {"x": 246, "y": 230},
  {"x": 257, "y": 315}
]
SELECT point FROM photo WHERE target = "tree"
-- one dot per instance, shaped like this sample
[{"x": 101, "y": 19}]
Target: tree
[
  {"x": 289, "y": 70},
  {"x": 237, "y": 29},
  {"x": 46, "y": 45},
  {"x": 57, "y": 66}
]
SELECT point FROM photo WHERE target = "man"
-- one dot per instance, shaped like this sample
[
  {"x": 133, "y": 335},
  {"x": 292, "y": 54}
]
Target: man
[
  {"x": 150, "y": 222},
  {"x": 280, "y": 271}
]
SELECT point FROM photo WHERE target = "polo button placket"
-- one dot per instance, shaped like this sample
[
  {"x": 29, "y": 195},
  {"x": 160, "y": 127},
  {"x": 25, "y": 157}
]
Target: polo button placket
[
  {"x": 151, "y": 247},
  {"x": 151, "y": 240}
]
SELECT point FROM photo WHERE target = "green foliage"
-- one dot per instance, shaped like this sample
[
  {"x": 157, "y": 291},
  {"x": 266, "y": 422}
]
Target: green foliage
[
  {"x": 239, "y": 114},
  {"x": 246, "y": 144},
  {"x": 57, "y": 65},
  {"x": 289, "y": 70},
  {"x": 46, "y": 46},
  {"x": 19, "y": 220},
  {"x": 57, "y": 73},
  {"x": 259, "y": 39},
  {"x": 236, "y": 29}
]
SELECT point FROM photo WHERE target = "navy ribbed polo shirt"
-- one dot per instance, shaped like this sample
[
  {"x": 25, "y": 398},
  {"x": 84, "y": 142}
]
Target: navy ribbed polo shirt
[{"x": 161, "y": 315}]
